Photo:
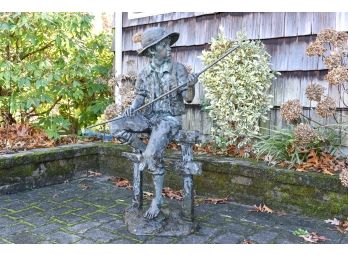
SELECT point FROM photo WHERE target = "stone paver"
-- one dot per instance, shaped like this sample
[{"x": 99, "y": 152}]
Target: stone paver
[{"x": 66, "y": 213}]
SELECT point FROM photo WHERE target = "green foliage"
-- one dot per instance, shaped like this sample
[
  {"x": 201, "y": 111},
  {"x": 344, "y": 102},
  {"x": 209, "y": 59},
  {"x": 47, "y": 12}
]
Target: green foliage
[
  {"x": 53, "y": 70},
  {"x": 237, "y": 89},
  {"x": 276, "y": 146}
]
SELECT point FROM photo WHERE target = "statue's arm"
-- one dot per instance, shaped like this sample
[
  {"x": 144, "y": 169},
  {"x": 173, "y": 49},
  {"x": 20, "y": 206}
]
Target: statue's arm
[
  {"x": 187, "y": 91},
  {"x": 189, "y": 94},
  {"x": 140, "y": 95},
  {"x": 138, "y": 101}
]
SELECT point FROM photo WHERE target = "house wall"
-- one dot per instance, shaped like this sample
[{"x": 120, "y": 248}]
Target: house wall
[{"x": 285, "y": 36}]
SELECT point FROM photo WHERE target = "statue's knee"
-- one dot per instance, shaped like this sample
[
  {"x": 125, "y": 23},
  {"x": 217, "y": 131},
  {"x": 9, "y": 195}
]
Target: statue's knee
[
  {"x": 164, "y": 127},
  {"x": 152, "y": 161}
]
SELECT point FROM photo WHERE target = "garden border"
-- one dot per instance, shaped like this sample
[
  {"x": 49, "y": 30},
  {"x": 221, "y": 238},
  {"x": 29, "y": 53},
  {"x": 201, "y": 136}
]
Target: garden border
[{"x": 242, "y": 180}]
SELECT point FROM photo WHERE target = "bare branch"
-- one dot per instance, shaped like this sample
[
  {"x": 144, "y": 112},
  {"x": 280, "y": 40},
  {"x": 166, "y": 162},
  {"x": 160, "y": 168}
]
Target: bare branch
[
  {"x": 49, "y": 109},
  {"x": 23, "y": 56}
]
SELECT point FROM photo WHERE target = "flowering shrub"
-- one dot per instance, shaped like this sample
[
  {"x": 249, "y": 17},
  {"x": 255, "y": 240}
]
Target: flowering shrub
[
  {"x": 236, "y": 89},
  {"x": 308, "y": 138}
]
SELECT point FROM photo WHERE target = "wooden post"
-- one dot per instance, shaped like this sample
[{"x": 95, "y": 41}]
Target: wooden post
[
  {"x": 137, "y": 201},
  {"x": 188, "y": 201}
]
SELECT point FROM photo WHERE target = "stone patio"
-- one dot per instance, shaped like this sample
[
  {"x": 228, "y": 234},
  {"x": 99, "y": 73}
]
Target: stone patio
[{"x": 70, "y": 213}]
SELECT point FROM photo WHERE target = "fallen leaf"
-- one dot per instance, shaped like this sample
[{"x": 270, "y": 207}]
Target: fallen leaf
[
  {"x": 171, "y": 194},
  {"x": 261, "y": 208},
  {"x": 94, "y": 174},
  {"x": 335, "y": 222},
  {"x": 84, "y": 186},
  {"x": 343, "y": 227},
  {"x": 121, "y": 182},
  {"x": 340, "y": 226},
  {"x": 314, "y": 238}
]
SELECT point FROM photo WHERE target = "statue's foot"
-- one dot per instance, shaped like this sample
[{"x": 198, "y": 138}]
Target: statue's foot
[{"x": 153, "y": 211}]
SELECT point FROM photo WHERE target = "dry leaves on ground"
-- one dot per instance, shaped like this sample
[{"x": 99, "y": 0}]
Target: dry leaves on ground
[
  {"x": 313, "y": 237},
  {"x": 264, "y": 208},
  {"x": 324, "y": 163},
  {"x": 171, "y": 194},
  {"x": 341, "y": 226},
  {"x": 261, "y": 208},
  {"x": 66, "y": 139},
  {"x": 232, "y": 150},
  {"x": 121, "y": 182},
  {"x": 94, "y": 174},
  {"x": 23, "y": 137}
]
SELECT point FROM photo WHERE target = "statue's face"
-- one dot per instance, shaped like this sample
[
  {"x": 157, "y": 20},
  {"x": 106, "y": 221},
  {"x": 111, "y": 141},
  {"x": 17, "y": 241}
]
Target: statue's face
[{"x": 163, "y": 50}]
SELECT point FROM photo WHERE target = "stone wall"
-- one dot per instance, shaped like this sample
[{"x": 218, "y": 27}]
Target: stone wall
[
  {"x": 43, "y": 167},
  {"x": 242, "y": 180}
]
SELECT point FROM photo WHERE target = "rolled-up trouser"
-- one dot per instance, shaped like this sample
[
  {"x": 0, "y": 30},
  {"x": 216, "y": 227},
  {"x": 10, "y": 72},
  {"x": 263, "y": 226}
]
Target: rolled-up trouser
[{"x": 162, "y": 129}]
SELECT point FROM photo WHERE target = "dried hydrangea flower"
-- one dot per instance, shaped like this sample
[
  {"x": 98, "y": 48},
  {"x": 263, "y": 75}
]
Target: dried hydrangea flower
[
  {"x": 344, "y": 177},
  {"x": 188, "y": 68},
  {"x": 341, "y": 39},
  {"x": 326, "y": 107},
  {"x": 304, "y": 134},
  {"x": 315, "y": 48},
  {"x": 137, "y": 37},
  {"x": 327, "y": 36},
  {"x": 112, "y": 111},
  {"x": 334, "y": 60},
  {"x": 314, "y": 92},
  {"x": 291, "y": 110},
  {"x": 337, "y": 76}
]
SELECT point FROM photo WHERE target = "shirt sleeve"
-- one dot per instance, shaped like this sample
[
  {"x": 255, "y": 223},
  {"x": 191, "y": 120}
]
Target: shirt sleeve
[
  {"x": 140, "y": 86},
  {"x": 182, "y": 76}
]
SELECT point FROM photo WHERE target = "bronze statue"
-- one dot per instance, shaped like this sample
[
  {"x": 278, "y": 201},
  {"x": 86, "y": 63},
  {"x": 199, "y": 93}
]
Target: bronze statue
[{"x": 162, "y": 119}]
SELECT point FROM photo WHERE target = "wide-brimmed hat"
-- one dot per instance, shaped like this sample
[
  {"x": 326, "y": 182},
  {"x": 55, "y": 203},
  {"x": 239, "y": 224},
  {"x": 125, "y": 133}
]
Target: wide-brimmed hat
[{"x": 154, "y": 35}]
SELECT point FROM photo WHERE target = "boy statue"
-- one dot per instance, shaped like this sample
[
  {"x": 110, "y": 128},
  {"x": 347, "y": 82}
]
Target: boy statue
[{"x": 162, "y": 120}]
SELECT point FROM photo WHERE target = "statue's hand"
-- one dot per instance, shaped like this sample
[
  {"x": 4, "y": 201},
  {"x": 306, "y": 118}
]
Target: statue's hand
[
  {"x": 192, "y": 79},
  {"x": 128, "y": 112}
]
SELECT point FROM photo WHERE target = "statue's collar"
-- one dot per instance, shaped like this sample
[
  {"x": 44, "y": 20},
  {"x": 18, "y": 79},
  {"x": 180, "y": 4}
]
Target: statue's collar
[{"x": 165, "y": 67}]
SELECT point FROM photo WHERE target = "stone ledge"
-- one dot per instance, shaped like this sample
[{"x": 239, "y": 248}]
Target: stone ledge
[{"x": 245, "y": 181}]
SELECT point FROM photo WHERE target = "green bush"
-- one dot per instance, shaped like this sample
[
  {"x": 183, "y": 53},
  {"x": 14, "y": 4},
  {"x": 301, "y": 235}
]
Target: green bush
[{"x": 53, "y": 70}]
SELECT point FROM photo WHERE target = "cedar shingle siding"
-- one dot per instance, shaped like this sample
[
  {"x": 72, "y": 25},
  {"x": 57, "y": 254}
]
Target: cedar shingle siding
[{"x": 285, "y": 35}]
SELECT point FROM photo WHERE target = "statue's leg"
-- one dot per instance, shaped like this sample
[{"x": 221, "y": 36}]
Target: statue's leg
[
  {"x": 125, "y": 130},
  {"x": 157, "y": 202},
  {"x": 153, "y": 157}
]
